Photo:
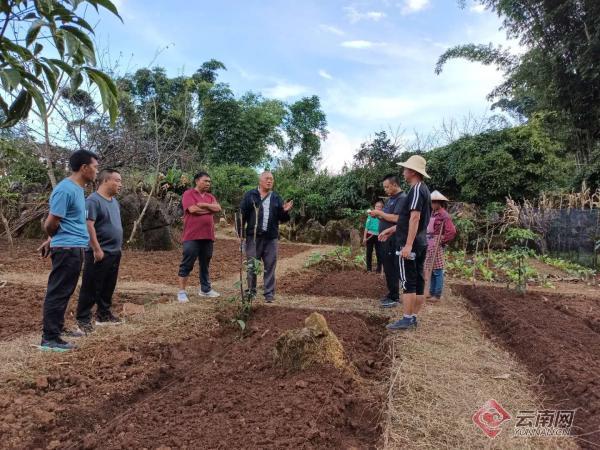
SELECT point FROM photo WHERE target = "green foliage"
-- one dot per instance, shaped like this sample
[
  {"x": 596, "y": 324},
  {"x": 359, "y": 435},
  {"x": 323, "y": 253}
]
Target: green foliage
[
  {"x": 230, "y": 182},
  {"x": 558, "y": 73},
  {"x": 520, "y": 236},
  {"x": 572, "y": 268},
  {"x": 340, "y": 258},
  {"x": 518, "y": 162},
  {"x": 56, "y": 45}
]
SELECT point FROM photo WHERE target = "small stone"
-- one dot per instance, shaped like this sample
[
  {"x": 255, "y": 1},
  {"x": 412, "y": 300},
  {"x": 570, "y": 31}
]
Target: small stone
[
  {"x": 53, "y": 445},
  {"x": 301, "y": 384},
  {"x": 41, "y": 382}
]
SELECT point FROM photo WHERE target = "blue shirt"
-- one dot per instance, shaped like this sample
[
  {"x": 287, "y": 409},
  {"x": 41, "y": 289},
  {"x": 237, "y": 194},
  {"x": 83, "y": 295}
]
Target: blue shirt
[{"x": 68, "y": 202}]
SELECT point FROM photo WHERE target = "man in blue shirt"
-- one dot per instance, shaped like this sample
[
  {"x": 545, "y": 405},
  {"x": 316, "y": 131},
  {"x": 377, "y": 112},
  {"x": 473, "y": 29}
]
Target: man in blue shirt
[{"x": 67, "y": 228}]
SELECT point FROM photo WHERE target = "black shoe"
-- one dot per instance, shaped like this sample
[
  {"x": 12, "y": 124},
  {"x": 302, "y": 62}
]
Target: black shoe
[
  {"x": 76, "y": 333},
  {"x": 108, "y": 319},
  {"x": 85, "y": 327},
  {"x": 269, "y": 299},
  {"x": 56, "y": 345}
]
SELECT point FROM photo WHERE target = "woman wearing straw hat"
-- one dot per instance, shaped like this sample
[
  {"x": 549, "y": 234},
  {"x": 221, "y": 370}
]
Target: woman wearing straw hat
[
  {"x": 411, "y": 239},
  {"x": 440, "y": 232}
]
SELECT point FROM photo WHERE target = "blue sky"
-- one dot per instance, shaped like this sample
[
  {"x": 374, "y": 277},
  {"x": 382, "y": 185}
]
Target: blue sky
[{"x": 371, "y": 62}]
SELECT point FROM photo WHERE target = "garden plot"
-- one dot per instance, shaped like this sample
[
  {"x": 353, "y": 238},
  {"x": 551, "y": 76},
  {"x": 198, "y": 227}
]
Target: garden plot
[
  {"x": 209, "y": 389},
  {"x": 158, "y": 267},
  {"x": 558, "y": 338}
]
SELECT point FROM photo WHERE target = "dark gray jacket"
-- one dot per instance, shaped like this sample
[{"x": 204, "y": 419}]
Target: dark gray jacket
[{"x": 251, "y": 201}]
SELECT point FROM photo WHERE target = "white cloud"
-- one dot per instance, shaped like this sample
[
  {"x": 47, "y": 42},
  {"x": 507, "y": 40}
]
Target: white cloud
[
  {"x": 337, "y": 150},
  {"x": 283, "y": 90},
  {"x": 333, "y": 30},
  {"x": 373, "y": 107},
  {"x": 355, "y": 16},
  {"x": 477, "y": 8},
  {"x": 360, "y": 44},
  {"x": 413, "y": 6},
  {"x": 324, "y": 74}
]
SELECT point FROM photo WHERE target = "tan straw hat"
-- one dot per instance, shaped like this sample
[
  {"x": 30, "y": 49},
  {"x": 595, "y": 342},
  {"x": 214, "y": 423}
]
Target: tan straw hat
[
  {"x": 416, "y": 163},
  {"x": 436, "y": 196}
]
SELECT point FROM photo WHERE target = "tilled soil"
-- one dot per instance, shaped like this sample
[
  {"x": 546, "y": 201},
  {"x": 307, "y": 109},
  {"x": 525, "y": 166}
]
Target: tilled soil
[
  {"x": 558, "y": 339},
  {"x": 21, "y": 308},
  {"x": 212, "y": 390},
  {"x": 159, "y": 267},
  {"x": 349, "y": 283}
]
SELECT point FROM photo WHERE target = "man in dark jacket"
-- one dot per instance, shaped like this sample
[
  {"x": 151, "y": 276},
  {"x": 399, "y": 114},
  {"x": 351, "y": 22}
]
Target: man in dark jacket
[{"x": 262, "y": 211}]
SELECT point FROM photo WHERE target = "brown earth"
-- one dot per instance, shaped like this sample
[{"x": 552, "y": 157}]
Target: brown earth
[
  {"x": 558, "y": 339},
  {"x": 155, "y": 267},
  {"x": 211, "y": 390},
  {"x": 21, "y": 308},
  {"x": 349, "y": 283}
]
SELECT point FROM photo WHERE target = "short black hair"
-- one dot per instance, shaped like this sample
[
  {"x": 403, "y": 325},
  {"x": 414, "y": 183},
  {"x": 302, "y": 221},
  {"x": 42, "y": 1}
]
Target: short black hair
[
  {"x": 81, "y": 157},
  {"x": 392, "y": 178},
  {"x": 200, "y": 175},
  {"x": 105, "y": 175},
  {"x": 379, "y": 201}
]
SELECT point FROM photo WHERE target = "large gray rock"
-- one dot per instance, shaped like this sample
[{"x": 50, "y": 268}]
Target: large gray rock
[{"x": 154, "y": 232}]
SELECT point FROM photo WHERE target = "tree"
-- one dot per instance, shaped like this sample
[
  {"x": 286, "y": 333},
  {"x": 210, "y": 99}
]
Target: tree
[
  {"x": 558, "y": 73},
  {"x": 27, "y": 72},
  {"x": 305, "y": 125}
]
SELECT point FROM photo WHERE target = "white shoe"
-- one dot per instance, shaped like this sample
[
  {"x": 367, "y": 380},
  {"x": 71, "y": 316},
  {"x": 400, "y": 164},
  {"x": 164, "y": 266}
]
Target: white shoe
[
  {"x": 182, "y": 297},
  {"x": 212, "y": 293}
]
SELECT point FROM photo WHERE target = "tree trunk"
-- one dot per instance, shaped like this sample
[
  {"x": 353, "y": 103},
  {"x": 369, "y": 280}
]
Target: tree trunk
[
  {"x": 48, "y": 152},
  {"x": 7, "y": 229}
]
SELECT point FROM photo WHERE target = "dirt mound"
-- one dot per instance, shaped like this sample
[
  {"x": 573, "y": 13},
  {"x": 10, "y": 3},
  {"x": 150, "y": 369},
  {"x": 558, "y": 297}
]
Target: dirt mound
[
  {"x": 211, "y": 390},
  {"x": 315, "y": 343},
  {"x": 347, "y": 283},
  {"x": 563, "y": 333}
]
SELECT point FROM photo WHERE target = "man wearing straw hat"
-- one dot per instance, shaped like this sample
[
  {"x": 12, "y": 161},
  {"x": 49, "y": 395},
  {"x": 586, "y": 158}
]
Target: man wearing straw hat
[
  {"x": 411, "y": 239},
  {"x": 440, "y": 232}
]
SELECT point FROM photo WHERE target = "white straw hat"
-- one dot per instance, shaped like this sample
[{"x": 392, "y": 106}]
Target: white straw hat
[
  {"x": 436, "y": 196},
  {"x": 416, "y": 163}
]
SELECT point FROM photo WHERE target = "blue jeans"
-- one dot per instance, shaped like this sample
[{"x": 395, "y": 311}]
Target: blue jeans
[{"x": 437, "y": 283}]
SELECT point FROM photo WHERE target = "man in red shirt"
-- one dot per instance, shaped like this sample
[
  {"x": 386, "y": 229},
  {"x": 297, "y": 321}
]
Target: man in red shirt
[{"x": 199, "y": 205}]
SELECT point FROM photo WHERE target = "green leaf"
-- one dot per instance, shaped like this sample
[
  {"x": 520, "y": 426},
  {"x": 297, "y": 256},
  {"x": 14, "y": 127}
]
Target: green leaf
[
  {"x": 83, "y": 24},
  {"x": 11, "y": 78},
  {"x": 33, "y": 32},
  {"x": 80, "y": 35},
  {"x": 59, "y": 42},
  {"x": 242, "y": 324},
  {"x": 108, "y": 92},
  {"x": 62, "y": 65},
  {"x": 108, "y": 5},
  {"x": 18, "y": 109},
  {"x": 50, "y": 77},
  {"x": 39, "y": 100},
  {"x": 30, "y": 16},
  {"x": 37, "y": 48},
  {"x": 76, "y": 79}
]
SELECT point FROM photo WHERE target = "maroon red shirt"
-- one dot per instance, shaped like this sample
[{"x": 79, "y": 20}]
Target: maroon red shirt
[{"x": 197, "y": 226}]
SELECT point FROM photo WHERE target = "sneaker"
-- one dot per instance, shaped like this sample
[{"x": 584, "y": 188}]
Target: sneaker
[
  {"x": 389, "y": 303},
  {"x": 56, "y": 345},
  {"x": 182, "y": 297},
  {"x": 76, "y": 333},
  {"x": 212, "y": 293},
  {"x": 403, "y": 324},
  {"x": 109, "y": 319},
  {"x": 85, "y": 327}
]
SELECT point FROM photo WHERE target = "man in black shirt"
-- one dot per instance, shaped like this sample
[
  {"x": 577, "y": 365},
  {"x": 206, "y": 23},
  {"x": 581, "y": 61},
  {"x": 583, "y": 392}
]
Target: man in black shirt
[
  {"x": 411, "y": 240},
  {"x": 387, "y": 219}
]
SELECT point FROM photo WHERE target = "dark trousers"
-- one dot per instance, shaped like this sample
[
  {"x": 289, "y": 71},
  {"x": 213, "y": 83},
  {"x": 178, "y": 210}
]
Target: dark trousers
[
  {"x": 391, "y": 269},
  {"x": 201, "y": 250},
  {"x": 412, "y": 272},
  {"x": 373, "y": 244},
  {"x": 66, "y": 267},
  {"x": 265, "y": 250},
  {"x": 97, "y": 286}
]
